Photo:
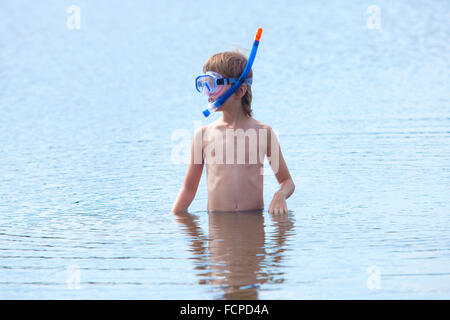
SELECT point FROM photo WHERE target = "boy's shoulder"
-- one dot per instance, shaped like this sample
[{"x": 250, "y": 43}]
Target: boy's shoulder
[{"x": 259, "y": 124}]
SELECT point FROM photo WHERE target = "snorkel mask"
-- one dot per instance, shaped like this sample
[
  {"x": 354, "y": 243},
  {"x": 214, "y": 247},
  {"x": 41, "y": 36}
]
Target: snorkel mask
[{"x": 207, "y": 83}]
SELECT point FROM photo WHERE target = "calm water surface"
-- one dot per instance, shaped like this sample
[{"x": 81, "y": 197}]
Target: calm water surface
[{"x": 87, "y": 170}]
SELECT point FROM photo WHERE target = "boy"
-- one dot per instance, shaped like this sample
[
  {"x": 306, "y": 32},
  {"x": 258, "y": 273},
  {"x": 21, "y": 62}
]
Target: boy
[{"x": 234, "y": 177}]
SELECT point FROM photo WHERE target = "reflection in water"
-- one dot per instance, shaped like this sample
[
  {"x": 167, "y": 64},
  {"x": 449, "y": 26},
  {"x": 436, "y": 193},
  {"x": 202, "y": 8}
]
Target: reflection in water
[{"x": 238, "y": 257}]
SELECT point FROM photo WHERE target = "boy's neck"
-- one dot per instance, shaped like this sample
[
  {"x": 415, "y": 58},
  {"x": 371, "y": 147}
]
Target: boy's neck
[{"x": 233, "y": 114}]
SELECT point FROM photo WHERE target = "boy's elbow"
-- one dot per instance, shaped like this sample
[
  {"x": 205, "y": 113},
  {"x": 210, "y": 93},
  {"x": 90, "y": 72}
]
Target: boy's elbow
[{"x": 292, "y": 186}]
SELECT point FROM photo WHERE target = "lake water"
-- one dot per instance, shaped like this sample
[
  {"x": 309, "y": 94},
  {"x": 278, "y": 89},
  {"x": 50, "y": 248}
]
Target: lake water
[{"x": 87, "y": 170}]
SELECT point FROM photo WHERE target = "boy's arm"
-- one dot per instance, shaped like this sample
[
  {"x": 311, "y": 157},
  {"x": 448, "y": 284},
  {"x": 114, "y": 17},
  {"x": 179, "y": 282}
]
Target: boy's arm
[
  {"x": 193, "y": 175},
  {"x": 281, "y": 171}
]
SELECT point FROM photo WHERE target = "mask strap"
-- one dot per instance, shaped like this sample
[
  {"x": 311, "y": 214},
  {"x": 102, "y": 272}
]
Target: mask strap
[{"x": 224, "y": 81}]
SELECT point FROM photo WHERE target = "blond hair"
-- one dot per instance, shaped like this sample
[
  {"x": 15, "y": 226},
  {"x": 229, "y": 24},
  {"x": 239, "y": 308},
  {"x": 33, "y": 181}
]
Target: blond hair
[{"x": 230, "y": 64}]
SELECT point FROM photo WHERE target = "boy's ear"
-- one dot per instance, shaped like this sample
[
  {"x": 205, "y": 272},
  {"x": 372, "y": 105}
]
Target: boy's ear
[{"x": 242, "y": 90}]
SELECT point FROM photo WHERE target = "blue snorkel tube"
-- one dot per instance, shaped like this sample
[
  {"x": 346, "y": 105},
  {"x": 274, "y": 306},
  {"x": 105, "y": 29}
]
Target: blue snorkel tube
[{"x": 212, "y": 107}]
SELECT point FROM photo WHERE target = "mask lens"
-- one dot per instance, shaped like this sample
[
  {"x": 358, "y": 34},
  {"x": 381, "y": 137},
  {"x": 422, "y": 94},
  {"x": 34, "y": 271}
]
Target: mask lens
[{"x": 205, "y": 84}]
